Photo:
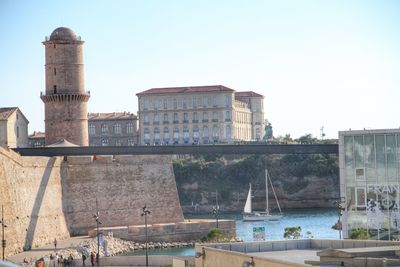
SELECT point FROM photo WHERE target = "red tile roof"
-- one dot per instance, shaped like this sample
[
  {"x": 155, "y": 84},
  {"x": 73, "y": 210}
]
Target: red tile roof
[
  {"x": 37, "y": 135},
  {"x": 111, "y": 116},
  {"x": 247, "y": 94},
  {"x": 187, "y": 89},
  {"x": 5, "y": 113}
]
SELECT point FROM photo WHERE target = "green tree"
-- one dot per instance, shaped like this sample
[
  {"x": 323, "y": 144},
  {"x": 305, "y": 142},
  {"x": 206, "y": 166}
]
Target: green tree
[
  {"x": 360, "y": 234},
  {"x": 292, "y": 232},
  {"x": 307, "y": 139}
]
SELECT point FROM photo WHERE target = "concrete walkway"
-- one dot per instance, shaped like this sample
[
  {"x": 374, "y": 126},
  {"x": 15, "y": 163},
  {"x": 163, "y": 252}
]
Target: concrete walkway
[{"x": 37, "y": 253}]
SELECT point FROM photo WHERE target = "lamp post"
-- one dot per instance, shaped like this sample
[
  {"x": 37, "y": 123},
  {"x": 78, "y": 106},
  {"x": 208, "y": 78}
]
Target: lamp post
[
  {"x": 145, "y": 212},
  {"x": 3, "y": 225},
  {"x": 215, "y": 210},
  {"x": 339, "y": 205},
  {"x": 96, "y": 216}
]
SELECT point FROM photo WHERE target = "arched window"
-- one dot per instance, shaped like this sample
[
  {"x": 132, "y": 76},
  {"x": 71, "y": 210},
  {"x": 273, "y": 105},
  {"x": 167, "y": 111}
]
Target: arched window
[
  {"x": 176, "y": 134},
  {"x": 129, "y": 128},
  {"x": 196, "y": 133},
  {"x": 131, "y": 142},
  {"x": 215, "y": 132},
  {"x": 205, "y": 131},
  {"x": 117, "y": 128},
  {"x": 185, "y": 134},
  {"x": 146, "y": 135},
  {"x": 228, "y": 132},
  {"x": 118, "y": 142},
  {"x": 104, "y": 129},
  {"x": 92, "y": 129},
  {"x": 166, "y": 134},
  {"x": 156, "y": 134}
]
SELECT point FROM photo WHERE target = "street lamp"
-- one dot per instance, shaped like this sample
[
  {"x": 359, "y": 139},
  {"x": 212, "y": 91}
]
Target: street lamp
[
  {"x": 215, "y": 209},
  {"x": 338, "y": 225},
  {"x": 96, "y": 216},
  {"x": 145, "y": 212},
  {"x": 3, "y": 225}
]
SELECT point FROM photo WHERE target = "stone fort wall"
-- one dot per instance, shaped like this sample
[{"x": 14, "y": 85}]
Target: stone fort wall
[{"x": 46, "y": 198}]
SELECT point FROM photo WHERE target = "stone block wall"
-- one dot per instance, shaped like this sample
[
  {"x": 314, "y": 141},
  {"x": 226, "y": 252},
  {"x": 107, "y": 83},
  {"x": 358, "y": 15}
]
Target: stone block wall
[
  {"x": 122, "y": 185},
  {"x": 30, "y": 192},
  {"x": 46, "y": 198}
]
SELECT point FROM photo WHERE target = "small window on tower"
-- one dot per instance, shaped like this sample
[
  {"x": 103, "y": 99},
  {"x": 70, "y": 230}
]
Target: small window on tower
[
  {"x": 55, "y": 71},
  {"x": 55, "y": 89}
]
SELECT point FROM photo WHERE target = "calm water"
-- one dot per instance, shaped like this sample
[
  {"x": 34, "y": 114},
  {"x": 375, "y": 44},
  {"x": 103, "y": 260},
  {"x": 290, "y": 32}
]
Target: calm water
[{"x": 316, "y": 221}]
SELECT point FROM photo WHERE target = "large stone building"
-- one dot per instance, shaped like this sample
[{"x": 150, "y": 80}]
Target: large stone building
[
  {"x": 113, "y": 129},
  {"x": 370, "y": 182},
  {"x": 65, "y": 98},
  {"x": 199, "y": 115},
  {"x": 13, "y": 128}
]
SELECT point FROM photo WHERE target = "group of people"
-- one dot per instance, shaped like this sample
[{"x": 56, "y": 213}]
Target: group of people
[{"x": 61, "y": 261}]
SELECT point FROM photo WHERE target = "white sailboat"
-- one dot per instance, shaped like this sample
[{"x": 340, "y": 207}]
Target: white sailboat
[{"x": 250, "y": 215}]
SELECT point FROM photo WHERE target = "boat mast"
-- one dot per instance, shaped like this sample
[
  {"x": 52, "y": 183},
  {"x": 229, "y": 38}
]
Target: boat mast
[
  {"x": 266, "y": 191},
  {"x": 276, "y": 199}
]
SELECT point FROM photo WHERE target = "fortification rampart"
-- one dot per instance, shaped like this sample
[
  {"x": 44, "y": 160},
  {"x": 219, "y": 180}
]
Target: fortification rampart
[
  {"x": 122, "y": 185},
  {"x": 30, "y": 191},
  {"x": 46, "y": 198}
]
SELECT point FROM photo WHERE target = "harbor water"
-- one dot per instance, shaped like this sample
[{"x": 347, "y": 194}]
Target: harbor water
[{"x": 315, "y": 223}]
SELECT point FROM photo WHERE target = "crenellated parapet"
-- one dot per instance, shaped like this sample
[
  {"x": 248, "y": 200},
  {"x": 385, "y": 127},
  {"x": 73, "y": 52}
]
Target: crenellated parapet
[{"x": 65, "y": 97}]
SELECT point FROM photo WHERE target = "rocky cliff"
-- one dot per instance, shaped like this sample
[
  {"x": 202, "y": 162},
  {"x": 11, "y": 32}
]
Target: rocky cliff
[{"x": 300, "y": 181}]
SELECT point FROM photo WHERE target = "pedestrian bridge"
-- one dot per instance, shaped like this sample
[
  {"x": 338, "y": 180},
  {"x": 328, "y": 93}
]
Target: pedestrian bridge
[{"x": 182, "y": 149}]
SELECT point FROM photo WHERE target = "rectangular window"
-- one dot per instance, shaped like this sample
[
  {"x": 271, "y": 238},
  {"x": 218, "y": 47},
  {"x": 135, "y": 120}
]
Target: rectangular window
[
  {"x": 360, "y": 174},
  {"x": 175, "y": 103},
  {"x": 214, "y": 100},
  {"x": 194, "y": 102},
  {"x": 165, "y": 103},
  {"x": 360, "y": 197},
  {"x": 155, "y": 102},
  {"x": 227, "y": 101},
  {"x": 205, "y": 100}
]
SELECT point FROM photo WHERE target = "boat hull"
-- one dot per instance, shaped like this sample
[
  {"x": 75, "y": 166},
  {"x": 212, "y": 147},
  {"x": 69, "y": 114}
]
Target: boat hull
[{"x": 254, "y": 217}]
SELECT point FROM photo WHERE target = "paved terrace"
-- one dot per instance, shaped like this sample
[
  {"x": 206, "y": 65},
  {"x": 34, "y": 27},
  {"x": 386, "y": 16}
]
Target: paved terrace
[
  {"x": 284, "y": 253},
  {"x": 182, "y": 149}
]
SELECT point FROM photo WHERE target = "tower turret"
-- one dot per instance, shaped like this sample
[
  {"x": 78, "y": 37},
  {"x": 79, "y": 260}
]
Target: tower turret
[{"x": 65, "y": 98}]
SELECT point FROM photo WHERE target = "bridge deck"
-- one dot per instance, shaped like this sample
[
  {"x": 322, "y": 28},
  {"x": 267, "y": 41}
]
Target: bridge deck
[{"x": 181, "y": 149}]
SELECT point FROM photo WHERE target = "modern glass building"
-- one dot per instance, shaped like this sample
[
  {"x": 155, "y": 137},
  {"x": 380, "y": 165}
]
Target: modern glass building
[{"x": 369, "y": 163}]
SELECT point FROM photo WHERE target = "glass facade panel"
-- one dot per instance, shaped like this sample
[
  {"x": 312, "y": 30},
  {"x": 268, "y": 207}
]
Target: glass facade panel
[
  {"x": 370, "y": 165},
  {"x": 391, "y": 157}
]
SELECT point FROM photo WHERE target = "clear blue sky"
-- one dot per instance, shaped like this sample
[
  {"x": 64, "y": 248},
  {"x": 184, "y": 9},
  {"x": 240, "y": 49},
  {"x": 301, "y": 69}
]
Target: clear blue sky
[{"x": 318, "y": 63}]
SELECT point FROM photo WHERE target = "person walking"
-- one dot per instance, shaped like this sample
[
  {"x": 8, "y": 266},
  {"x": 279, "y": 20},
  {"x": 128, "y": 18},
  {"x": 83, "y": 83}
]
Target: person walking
[
  {"x": 83, "y": 259},
  {"x": 55, "y": 243},
  {"x": 92, "y": 258}
]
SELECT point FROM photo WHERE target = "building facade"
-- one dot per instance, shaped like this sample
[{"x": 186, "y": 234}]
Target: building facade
[
  {"x": 113, "y": 129},
  {"x": 13, "y": 128},
  {"x": 199, "y": 115},
  {"x": 369, "y": 163},
  {"x": 65, "y": 98},
  {"x": 37, "y": 139}
]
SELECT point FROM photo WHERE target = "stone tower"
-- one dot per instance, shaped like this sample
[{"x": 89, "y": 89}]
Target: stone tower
[{"x": 65, "y": 99}]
